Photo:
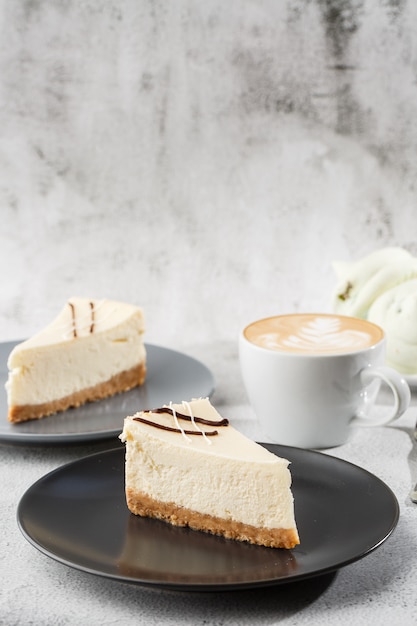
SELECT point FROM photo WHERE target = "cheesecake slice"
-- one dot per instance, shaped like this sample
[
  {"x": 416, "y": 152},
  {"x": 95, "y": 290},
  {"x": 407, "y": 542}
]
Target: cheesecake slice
[
  {"x": 186, "y": 465},
  {"x": 93, "y": 349}
]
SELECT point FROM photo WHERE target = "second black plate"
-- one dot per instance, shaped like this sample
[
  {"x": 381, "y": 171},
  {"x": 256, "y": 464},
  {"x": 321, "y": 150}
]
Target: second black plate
[{"x": 171, "y": 375}]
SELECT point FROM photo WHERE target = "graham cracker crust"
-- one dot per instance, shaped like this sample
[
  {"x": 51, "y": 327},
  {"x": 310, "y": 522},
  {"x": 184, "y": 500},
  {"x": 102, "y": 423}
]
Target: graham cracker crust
[
  {"x": 145, "y": 506},
  {"x": 121, "y": 382}
]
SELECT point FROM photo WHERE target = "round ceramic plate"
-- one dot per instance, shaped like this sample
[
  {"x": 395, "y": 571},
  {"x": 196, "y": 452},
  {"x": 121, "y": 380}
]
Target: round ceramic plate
[
  {"x": 171, "y": 376},
  {"x": 78, "y": 516}
]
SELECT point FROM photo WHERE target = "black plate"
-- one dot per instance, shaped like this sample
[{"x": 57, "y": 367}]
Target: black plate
[
  {"x": 77, "y": 515},
  {"x": 171, "y": 375}
]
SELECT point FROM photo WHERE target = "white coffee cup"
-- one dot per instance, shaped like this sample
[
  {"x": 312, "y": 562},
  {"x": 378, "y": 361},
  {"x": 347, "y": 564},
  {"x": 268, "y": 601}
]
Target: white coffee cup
[{"x": 310, "y": 378}]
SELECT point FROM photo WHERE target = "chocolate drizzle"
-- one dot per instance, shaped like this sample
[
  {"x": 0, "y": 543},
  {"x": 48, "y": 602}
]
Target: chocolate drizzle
[
  {"x": 74, "y": 328},
  {"x": 176, "y": 430},
  {"x": 183, "y": 416},
  {"x": 91, "y": 321},
  {"x": 92, "y": 317},
  {"x": 188, "y": 418}
]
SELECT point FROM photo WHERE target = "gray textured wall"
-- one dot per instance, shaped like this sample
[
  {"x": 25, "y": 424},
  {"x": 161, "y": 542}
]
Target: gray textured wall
[{"x": 206, "y": 160}]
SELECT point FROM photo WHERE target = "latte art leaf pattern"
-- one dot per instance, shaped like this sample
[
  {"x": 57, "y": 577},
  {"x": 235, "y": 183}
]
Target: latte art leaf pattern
[
  {"x": 311, "y": 333},
  {"x": 325, "y": 333}
]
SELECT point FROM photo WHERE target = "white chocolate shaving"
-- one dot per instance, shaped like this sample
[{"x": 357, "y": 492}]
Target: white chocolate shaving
[
  {"x": 190, "y": 411},
  {"x": 178, "y": 425}
]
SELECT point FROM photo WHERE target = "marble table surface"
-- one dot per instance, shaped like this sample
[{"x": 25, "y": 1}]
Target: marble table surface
[{"x": 379, "y": 588}]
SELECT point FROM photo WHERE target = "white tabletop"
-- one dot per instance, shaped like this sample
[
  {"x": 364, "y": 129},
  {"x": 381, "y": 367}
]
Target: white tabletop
[{"x": 378, "y": 589}]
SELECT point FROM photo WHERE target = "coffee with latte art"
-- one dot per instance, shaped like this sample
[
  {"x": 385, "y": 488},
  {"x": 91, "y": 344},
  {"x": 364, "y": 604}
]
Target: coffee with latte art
[{"x": 317, "y": 333}]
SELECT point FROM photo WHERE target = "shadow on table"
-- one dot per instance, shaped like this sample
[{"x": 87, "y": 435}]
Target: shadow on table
[
  {"x": 278, "y": 601},
  {"x": 244, "y": 607}
]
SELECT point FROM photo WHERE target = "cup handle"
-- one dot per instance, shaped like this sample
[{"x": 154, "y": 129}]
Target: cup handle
[{"x": 400, "y": 391}]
